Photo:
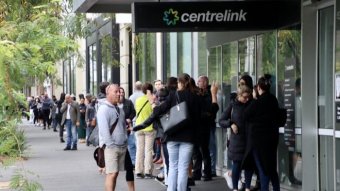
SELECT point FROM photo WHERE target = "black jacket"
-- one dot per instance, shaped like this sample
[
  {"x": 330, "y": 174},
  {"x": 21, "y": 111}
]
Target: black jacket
[
  {"x": 262, "y": 131},
  {"x": 129, "y": 109},
  {"x": 187, "y": 133},
  {"x": 208, "y": 112},
  {"x": 234, "y": 115}
]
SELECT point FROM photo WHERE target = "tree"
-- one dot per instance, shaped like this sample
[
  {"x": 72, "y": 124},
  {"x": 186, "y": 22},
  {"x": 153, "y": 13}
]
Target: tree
[{"x": 34, "y": 36}]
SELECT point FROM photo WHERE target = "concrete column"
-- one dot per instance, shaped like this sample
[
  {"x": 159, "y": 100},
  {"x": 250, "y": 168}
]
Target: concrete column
[{"x": 124, "y": 56}]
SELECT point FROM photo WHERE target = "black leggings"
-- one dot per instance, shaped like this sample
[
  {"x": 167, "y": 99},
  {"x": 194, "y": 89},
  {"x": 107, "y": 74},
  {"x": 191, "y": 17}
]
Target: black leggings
[{"x": 128, "y": 167}]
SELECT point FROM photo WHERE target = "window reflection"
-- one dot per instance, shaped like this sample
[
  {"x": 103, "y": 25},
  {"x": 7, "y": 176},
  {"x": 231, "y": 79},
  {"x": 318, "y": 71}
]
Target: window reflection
[
  {"x": 289, "y": 150},
  {"x": 107, "y": 57},
  {"x": 246, "y": 54},
  {"x": 147, "y": 57},
  {"x": 93, "y": 69}
]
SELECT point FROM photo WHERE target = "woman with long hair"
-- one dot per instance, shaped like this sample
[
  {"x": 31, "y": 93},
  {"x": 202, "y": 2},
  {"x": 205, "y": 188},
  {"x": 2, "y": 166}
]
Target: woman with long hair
[
  {"x": 179, "y": 143},
  {"x": 262, "y": 143}
]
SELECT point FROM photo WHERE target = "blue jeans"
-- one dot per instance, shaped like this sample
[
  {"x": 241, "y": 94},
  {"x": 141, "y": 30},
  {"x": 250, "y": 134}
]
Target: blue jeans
[
  {"x": 132, "y": 147},
  {"x": 236, "y": 173},
  {"x": 71, "y": 130},
  {"x": 89, "y": 130},
  {"x": 213, "y": 150},
  {"x": 180, "y": 154},
  {"x": 264, "y": 179}
]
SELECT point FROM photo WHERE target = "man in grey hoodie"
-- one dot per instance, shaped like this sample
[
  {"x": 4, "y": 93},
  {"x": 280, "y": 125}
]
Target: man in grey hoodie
[{"x": 109, "y": 116}]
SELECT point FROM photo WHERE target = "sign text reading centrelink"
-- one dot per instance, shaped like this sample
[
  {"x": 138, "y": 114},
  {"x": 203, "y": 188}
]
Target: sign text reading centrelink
[{"x": 213, "y": 16}]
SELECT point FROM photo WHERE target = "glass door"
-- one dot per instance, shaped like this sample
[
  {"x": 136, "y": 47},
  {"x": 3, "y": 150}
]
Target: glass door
[{"x": 326, "y": 97}]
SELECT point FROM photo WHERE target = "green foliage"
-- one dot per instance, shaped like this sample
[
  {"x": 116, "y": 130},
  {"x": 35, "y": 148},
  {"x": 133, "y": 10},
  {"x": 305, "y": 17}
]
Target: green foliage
[
  {"x": 22, "y": 181},
  {"x": 12, "y": 140},
  {"x": 34, "y": 36}
]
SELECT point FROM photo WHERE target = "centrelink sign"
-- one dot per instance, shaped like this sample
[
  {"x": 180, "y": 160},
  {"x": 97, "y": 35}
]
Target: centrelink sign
[{"x": 214, "y": 15}]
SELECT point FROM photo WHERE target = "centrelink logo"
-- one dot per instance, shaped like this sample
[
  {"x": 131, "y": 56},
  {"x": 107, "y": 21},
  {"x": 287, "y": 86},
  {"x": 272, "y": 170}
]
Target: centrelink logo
[{"x": 171, "y": 16}]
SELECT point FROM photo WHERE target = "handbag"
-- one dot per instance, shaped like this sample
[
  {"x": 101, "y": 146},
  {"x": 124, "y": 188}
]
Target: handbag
[
  {"x": 176, "y": 118},
  {"x": 98, "y": 153}
]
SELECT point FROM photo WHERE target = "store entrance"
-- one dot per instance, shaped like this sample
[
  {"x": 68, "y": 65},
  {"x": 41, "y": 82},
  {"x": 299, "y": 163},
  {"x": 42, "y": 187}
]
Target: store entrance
[{"x": 265, "y": 53}]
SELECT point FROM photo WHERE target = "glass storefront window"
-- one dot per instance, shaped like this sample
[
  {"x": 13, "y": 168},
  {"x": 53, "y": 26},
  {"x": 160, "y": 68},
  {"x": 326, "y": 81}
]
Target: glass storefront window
[
  {"x": 325, "y": 66},
  {"x": 337, "y": 161},
  {"x": 289, "y": 96},
  {"x": 69, "y": 76},
  {"x": 325, "y": 96},
  {"x": 202, "y": 53},
  {"x": 326, "y": 165},
  {"x": 73, "y": 75},
  {"x": 184, "y": 47},
  {"x": 229, "y": 84},
  {"x": 266, "y": 57},
  {"x": 93, "y": 69},
  {"x": 179, "y": 53},
  {"x": 214, "y": 64},
  {"x": 246, "y": 54},
  {"x": 147, "y": 59},
  {"x": 66, "y": 77},
  {"x": 107, "y": 58},
  {"x": 229, "y": 70}
]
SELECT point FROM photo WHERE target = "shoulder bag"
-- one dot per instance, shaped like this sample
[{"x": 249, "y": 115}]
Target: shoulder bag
[
  {"x": 98, "y": 154},
  {"x": 176, "y": 118}
]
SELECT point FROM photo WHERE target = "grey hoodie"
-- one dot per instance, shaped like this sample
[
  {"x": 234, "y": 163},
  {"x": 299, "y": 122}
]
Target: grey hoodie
[{"x": 106, "y": 117}]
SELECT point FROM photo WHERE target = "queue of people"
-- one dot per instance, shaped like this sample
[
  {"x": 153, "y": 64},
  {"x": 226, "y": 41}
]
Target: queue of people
[{"x": 134, "y": 138}]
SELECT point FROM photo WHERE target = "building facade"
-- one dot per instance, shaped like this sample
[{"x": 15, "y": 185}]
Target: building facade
[{"x": 302, "y": 57}]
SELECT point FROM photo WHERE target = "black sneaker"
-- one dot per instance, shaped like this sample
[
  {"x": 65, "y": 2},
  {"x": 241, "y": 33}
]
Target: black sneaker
[
  {"x": 139, "y": 176},
  {"x": 191, "y": 182},
  {"x": 74, "y": 148},
  {"x": 148, "y": 176},
  {"x": 206, "y": 178},
  {"x": 67, "y": 149},
  {"x": 159, "y": 179}
]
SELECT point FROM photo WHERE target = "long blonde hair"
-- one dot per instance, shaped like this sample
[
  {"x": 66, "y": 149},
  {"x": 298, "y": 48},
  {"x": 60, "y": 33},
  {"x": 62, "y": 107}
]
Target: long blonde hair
[{"x": 243, "y": 89}]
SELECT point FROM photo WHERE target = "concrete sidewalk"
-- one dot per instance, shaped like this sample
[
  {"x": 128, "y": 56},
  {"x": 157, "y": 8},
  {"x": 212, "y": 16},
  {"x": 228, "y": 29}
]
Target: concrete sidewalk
[{"x": 76, "y": 170}]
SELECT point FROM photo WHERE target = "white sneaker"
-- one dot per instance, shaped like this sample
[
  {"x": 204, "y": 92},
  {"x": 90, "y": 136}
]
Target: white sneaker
[
  {"x": 240, "y": 185},
  {"x": 228, "y": 178}
]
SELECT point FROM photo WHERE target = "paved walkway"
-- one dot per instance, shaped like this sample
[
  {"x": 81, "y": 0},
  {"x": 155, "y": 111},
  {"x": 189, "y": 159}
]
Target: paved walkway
[{"x": 60, "y": 170}]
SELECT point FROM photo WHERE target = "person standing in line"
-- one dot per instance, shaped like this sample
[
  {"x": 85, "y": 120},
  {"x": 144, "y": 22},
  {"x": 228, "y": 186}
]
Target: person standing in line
[
  {"x": 30, "y": 105},
  {"x": 82, "y": 126},
  {"x": 180, "y": 143},
  {"x": 71, "y": 118},
  {"x": 90, "y": 117},
  {"x": 262, "y": 142},
  {"x": 47, "y": 104},
  {"x": 130, "y": 113},
  {"x": 54, "y": 113},
  {"x": 207, "y": 128},
  {"x": 233, "y": 118},
  {"x": 110, "y": 116},
  {"x": 145, "y": 138},
  {"x": 132, "y": 138},
  {"x": 157, "y": 143},
  {"x": 59, "y": 116}
]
